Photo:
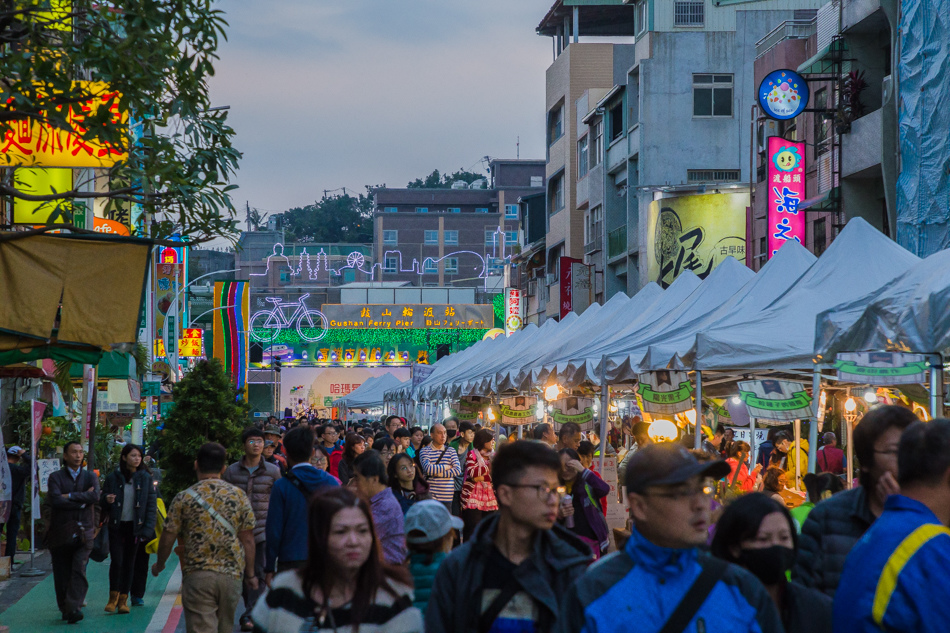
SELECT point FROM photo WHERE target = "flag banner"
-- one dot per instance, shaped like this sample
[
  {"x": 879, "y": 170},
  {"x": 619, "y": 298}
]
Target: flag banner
[
  {"x": 882, "y": 368},
  {"x": 665, "y": 392},
  {"x": 232, "y": 305},
  {"x": 571, "y": 409},
  {"x": 779, "y": 400},
  {"x": 519, "y": 410}
]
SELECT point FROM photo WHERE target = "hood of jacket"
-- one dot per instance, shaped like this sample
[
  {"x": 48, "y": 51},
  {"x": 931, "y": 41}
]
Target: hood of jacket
[
  {"x": 558, "y": 547},
  {"x": 312, "y": 476}
]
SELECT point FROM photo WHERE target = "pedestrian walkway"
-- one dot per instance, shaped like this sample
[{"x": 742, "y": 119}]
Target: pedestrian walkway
[{"x": 36, "y": 612}]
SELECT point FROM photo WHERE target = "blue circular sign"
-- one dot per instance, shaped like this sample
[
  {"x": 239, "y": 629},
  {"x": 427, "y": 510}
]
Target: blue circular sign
[{"x": 783, "y": 94}]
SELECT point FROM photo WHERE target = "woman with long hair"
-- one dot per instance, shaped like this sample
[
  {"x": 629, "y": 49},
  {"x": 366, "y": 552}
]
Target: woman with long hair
[
  {"x": 738, "y": 457},
  {"x": 757, "y": 533},
  {"x": 478, "y": 496},
  {"x": 345, "y": 586},
  {"x": 415, "y": 441},
  {"x": 341, "y": 462},
  {"x": 581, "y": 514},
  {"x": 406, "y": 481},
  {"x": 371, "y": 483},
  {"x": 773, "y": 483},
  {"x": 129, "y": 502}
]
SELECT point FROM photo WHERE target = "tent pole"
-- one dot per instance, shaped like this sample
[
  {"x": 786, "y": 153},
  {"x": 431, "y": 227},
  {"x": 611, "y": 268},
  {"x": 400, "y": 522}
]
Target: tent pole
[
  {"x": 936, "y": 386},
  {"x": 813, "y": 427},
  {"x": 849, "y": 419},
  {"x": 753, "y": 443},
  {"x": 798, "y": 454},
  {"x": 699, "y": 409},
  {"x": 604, "y": 404}
]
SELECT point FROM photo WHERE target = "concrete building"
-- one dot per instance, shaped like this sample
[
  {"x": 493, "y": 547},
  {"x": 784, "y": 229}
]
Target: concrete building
[
  {"x": 661, "y": 113},
  {"x": 460, "y": 236}
]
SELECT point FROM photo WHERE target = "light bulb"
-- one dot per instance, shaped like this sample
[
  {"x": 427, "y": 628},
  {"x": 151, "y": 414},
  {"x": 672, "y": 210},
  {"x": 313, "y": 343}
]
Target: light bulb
[
  {"x": 491, "y": 414},
  {"x": 850, "y": 405},
  {"x": 552, "y": 392},
  {"x": 870, "y": 396},
  {"x": 691, "y": 416},
  {"x": 736, "y": 400},
  {"x": 662, "y": 431}
]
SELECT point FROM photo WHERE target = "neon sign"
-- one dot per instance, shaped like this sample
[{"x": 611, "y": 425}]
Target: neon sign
[
  {"x": 785, "y": 191},
  {"x": 311, "y": 325}
]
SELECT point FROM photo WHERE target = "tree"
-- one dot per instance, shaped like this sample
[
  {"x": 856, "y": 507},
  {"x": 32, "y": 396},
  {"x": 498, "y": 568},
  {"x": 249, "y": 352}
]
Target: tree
[
  {"x": 206, "y": 410},
  {"x": 338, "y": 218},
  {"x": 435, "y": 180},
  {"x": 148, "y": 58}
]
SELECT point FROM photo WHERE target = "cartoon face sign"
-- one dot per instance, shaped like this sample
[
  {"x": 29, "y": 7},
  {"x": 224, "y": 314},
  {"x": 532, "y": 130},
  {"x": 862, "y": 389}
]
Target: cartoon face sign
[{"x": 787, "y": 159}]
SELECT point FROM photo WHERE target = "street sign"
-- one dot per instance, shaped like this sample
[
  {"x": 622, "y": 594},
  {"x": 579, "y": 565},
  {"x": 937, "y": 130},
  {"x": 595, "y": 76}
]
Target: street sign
[
  {"x": 151, "y": 388},
  {"x": 191, "y": 344}
]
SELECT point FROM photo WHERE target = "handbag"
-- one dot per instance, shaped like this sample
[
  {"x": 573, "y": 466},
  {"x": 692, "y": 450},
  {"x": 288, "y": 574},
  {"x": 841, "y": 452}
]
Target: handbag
[
  {"x": 730, "y": 493},
  {"x": 100, "y": 546}
]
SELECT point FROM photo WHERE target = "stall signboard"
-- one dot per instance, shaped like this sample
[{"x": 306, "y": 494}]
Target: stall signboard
[
  {"x": 514, "y": 310},
  {"x": 778, "y": 400},
  {"x": 785, "y": 192},
  {"x": 35, "y": 143},
  {"x": 191, "y": 343},
  {"x": 47, "y": 467},
  {"x": 469, "y": 407},
  {"x": 665, "y": 392},
  {"x": 44, "y": 182},
  {"x": 572, "y": 409},
  {"x": 696, "y": 233},
  {"x": 109, "y": 227},
  {"x": 519, "y": 410},
  {"x": 882, "y": 368},
  {"x": 783, "y": 94},
  {"x": 406, "y": 316}
]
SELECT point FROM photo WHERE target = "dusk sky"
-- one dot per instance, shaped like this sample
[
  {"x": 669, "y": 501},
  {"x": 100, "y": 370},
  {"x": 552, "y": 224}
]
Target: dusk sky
[{"x": 346, "y": 93}]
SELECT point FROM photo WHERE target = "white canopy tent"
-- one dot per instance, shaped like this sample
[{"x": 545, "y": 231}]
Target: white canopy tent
[{"x": 369, "y": 394}]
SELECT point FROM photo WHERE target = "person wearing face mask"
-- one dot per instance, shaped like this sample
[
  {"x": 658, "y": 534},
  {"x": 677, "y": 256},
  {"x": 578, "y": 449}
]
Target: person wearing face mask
[
  {"x": 462, "y": 445},
  {"x": 451, "y": 427},
  {"x": 835, "y": 525},
  {"x": 757, "y": 533},
  {"x": 659, "y": 581}
]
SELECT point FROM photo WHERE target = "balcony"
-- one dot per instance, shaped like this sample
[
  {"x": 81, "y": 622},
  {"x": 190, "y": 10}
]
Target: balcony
[
  {"x": 788, "y": 30},
  {"x": 862, "y": 148},
  {"x": 596, "y": 244},
  {"x": 617, "y": 242}
]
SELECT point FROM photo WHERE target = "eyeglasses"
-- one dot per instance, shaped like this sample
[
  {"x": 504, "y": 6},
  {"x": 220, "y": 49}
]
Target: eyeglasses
[
  {"x": 543, "y": 491},
  {"x": 679, "y": 494},
  {"x": 255, "y": 441}
]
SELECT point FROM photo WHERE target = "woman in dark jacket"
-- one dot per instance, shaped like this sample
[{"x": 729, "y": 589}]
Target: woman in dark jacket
[
  {"x": 352, "y": 447},
  {"x": 583, "y": 516},
  {"x": 128, "y": 502},
  {"x": 757, "y": 532}
]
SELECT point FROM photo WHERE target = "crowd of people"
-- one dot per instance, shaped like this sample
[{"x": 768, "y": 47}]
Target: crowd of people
[{"x": 384, "y": 526}]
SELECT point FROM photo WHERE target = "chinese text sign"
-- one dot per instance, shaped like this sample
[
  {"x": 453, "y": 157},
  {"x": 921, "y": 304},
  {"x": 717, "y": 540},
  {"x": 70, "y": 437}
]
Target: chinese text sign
[{"x": 785, "y": 190}]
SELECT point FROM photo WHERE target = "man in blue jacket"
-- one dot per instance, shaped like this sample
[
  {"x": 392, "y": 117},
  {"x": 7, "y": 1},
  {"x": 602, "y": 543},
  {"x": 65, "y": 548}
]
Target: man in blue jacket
[
  {"x": 895, "y": 577},
  {"x": 286, "y": 528},
  {"x": 644, "y": 586}
]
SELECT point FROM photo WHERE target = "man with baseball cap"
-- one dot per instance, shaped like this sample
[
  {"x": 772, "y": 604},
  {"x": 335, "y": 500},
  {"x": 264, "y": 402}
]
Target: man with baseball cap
[
  {"x": 429, "y": 535},
  {"x": 660, "y": 580}
]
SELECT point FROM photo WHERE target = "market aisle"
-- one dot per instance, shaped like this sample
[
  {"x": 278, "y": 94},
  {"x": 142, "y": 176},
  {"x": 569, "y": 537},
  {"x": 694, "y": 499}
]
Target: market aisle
[{"x": 36, "y": 611}]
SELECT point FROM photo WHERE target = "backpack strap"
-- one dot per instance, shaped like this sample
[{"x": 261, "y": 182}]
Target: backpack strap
[
  {"x": 713, "y": 570},
  {"x": 299, "y": 485},
  {"x": 214, "y": 513},
  {"x": 887, "y": 583}
]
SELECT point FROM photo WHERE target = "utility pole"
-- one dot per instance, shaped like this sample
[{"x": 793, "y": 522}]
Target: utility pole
[{"x": 248, "y": 220}]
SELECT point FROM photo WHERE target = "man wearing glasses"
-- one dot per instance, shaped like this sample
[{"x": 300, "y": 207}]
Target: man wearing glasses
[
  {"x": 660, "y": 579},
  {"x": 512, "y": 573},
  {"x": 255, "y": 477}
]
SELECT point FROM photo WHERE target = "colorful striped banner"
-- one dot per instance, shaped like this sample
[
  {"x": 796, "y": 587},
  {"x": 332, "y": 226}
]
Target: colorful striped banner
[{"x": 232, "y": 304}]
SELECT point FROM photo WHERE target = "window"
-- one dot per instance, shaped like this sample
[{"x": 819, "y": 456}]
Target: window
[
  {"x": 555, "y": 124},
  {"x": 511, "y": 211},
  {"x": 597, "y": 144},
  {"x": 490, "y": 237},
  {"x": 481, "y": 210},
  {"x": 511, "y": 238},
  {"x": 556, "y": 194},
  {"x": 454, "y": 210},
  {"x": 688, "y": 13},
  {"x": 821, "y": 238},
  {"x": 640, "y": 18},
  {"x": 615, "y": 116},
  {"x": 583, "y": 164},
  {"x": 451, "y": 265},
  {"x": 432, "y": 237},
  {"x": 712, "y": 95},
  {"x": 450, "y": 238},
  {"x": 712, "y": 175},
  {"x": 391, "y": 237},
  {"x": 822, "y": 126},
  {"x": 593, "y": 224},
  {"x": 537, "y": 181},
  {"x": 422, "y": 209},
  {"x": 392, "y": 264},
  {"x": 390, "y": 210},
  {"x": 429, "y": 266}
]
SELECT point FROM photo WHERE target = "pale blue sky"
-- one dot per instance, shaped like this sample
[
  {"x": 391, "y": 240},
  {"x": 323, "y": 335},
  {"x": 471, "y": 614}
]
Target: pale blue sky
[{"x": 326, "y": 94}]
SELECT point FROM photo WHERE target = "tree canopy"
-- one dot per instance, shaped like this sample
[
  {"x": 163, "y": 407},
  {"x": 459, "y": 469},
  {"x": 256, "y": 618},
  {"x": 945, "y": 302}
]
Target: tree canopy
[
  {"x": 436, "y": 180},
  {"x": 145, "y": 66},
  {"x": 337, "y": 218}
]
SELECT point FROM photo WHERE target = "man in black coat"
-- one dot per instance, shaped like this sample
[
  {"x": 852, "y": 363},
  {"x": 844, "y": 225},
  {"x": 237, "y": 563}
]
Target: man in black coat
[
  {"x": 73, "y": 495},
  {"x": 19, "y": 472}
]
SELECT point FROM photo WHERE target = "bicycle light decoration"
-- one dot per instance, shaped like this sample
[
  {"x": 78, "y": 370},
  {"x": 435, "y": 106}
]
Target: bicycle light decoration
[{"x": 311, "y": 325}]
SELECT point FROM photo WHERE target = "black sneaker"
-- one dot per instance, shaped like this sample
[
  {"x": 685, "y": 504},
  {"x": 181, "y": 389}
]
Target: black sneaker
[{"x": 74, "y": 617}]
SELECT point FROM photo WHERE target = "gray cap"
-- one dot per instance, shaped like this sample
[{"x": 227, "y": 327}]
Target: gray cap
[
  {"x": 428, "y": 521},
  {"x": 667, "y": 464}
]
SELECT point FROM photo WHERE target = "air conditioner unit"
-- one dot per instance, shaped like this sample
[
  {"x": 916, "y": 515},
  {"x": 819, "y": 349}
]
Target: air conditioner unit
[
  {"x": 538, "y": 273},
  {"x": 533, "y": 288}
]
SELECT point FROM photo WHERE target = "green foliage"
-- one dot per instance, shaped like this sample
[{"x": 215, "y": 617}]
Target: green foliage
[
  {"x": 435, "y": 180},
  {"x": 18, "y": 421},
  {"x": 155, "y": 57},
  {"x": 206, "y": 410},
  {"x": 339, "y": 218}
]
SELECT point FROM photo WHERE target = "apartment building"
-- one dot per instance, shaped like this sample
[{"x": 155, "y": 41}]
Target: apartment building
[{"x": 460, "y": 236}]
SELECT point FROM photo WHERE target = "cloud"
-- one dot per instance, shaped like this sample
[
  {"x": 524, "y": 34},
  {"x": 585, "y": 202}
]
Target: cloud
[{"x": 355, "y": 92}]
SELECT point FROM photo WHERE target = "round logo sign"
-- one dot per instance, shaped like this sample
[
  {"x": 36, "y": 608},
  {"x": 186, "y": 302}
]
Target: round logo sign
[
  {"x": 783, "y": 94},
  {"x": 513, "y": 322}
]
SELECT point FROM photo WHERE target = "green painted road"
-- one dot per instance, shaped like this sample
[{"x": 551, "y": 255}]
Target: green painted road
[{"x": 36, "y": 612}]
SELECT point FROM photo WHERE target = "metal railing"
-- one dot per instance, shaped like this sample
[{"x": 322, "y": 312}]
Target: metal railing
[
  {"x": 596, "y": 244},
  {"x": 787, "y": 30},
  {"x": 617, "y": 242}
]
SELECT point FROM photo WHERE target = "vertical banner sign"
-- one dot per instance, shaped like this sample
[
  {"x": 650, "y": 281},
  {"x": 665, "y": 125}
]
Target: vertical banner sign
[
  {"x": 514, "y": 318},
  {"x": 777, "y": 400},
  {"x": 191, "y": 343},
  {"x": 566, "y": 278},
  {"x": 169, "y": 276},
  {"x": 786, "y": 190},
  {"x": 582, "y": 286},
  {"x": 36, "y": 410},
  {"x": 665, "y": 392},
  {"x": 232, "y": 304},
  {"x": 6, "y": 487},
  {"x": 882, "y": 368},
  {"x": 419, "y": 373}
]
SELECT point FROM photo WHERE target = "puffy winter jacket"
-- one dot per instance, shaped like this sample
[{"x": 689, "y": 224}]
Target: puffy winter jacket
[
  {"x": 257, "y": 487},
  {"x": 423, "y": 568},
  {"x": 559, "y": 558},
  {"x": 644, "y": 583},
  {"x": 830, "y": 531},
  {"x": 145, "y": 502}
]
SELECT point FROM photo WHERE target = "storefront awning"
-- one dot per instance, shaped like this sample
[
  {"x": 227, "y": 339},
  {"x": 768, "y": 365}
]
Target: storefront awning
[
  {"x": 827, "y": 201},
  {"x": 824, "y": 60}
]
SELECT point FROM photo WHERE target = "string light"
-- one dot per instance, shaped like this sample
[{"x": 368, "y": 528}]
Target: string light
[
  {"x": 662, "y": 431},
  {"x": 736, "y": 400},
  {"x": 551, "y": 392},
  {"x": 870, "y": 396},
  {"x": 850, "y": 405}
]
